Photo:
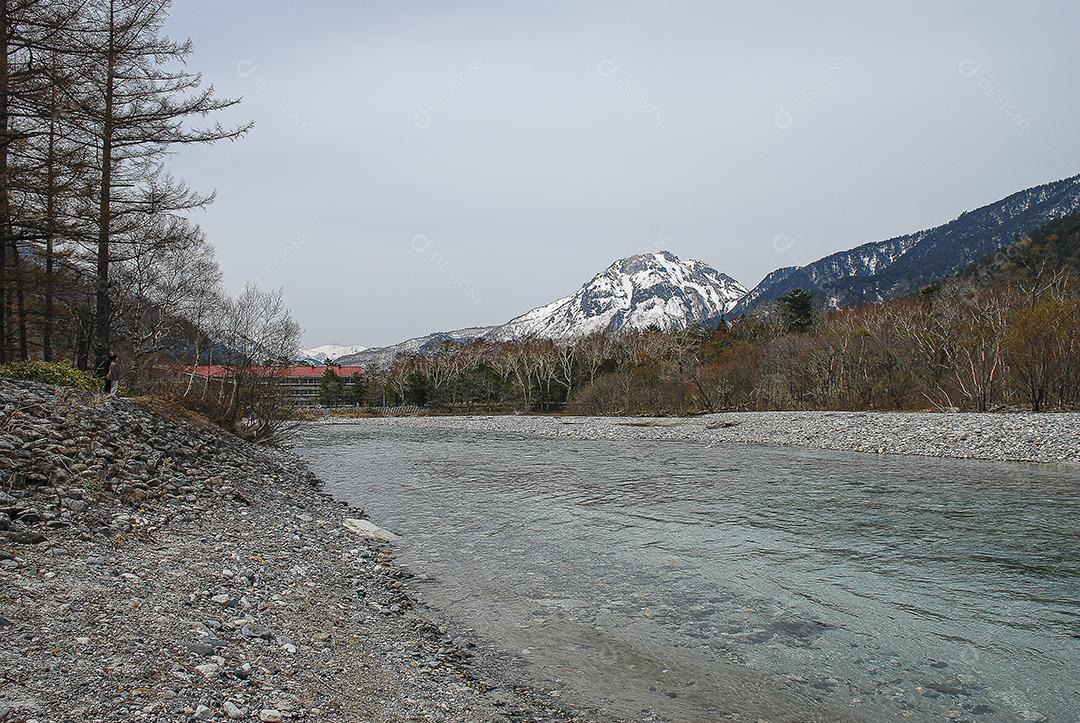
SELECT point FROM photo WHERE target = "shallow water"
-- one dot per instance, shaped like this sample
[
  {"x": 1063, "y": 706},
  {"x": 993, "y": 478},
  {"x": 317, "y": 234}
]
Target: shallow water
[{"x": 686, "y": 582}]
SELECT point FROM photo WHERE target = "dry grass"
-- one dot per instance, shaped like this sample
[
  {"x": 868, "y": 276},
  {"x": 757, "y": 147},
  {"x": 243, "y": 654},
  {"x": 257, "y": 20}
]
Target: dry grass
[{"x": 173, "y": 409}]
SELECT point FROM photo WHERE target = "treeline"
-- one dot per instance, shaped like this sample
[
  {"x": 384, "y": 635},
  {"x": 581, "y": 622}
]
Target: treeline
[
  {"x": 1006, "y": 335},
  {"x": 96, "y": 250}
]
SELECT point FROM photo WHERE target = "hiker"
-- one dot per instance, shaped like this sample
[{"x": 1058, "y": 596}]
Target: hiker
[
  {"x": 102, "y": 371},
  {"x": 112, "y": 376}
]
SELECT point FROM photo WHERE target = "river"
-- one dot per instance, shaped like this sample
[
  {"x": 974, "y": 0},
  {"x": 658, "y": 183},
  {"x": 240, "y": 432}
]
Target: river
[{"x": 686, "y": 582}]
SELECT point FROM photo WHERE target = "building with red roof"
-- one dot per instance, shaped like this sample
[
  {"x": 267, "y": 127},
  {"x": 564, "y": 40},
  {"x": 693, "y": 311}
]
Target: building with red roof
[{"x": 300, "y": 383}]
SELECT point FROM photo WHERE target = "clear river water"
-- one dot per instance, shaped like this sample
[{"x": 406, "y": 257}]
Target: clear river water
[{"x": 686, "y": 582}]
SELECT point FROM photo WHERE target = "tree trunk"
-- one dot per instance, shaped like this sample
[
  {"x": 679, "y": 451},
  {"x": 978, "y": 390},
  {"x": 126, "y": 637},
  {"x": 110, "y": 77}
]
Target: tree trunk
[
  {"x": 82, "y": 351},
  {"x": 20, "y": 299},
  {"x": 50, "y": 216},
  {"x": 5, "y": 208},
  {"x": 101, "y": 333}
]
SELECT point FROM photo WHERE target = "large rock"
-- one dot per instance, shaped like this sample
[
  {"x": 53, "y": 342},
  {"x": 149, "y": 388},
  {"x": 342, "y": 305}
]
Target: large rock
[{"x": 369, "y": 530}]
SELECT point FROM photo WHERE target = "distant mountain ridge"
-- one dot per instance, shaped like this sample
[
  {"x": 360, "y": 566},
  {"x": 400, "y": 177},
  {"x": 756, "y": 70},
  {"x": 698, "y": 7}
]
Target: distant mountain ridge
[
  {"x": 659, "y": 289},
  {"x": 894, "y": 267},
  {"x": 383, "y": 355},
  {"x": 637, "y": 292},
  {"x": 319, "y": 354}
]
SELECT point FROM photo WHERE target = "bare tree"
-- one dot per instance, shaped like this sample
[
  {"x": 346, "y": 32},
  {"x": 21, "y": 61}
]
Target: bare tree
[
  {"x": 261, "y": 338},
  {"x": 140, "y": 97}
]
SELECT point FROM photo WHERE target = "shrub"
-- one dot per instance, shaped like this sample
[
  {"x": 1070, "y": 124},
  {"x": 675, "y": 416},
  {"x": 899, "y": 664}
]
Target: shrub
[{"x": 60, "y": 373}]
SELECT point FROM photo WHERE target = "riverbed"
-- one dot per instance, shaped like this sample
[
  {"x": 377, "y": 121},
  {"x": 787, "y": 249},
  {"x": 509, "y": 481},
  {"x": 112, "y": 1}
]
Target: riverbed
[{"x": 676, "y": 580}]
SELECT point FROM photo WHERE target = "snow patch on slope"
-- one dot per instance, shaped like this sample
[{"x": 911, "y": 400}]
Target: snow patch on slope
[
  {"x": 637, "y": 292},
  {"x": 319, "y": 354}
]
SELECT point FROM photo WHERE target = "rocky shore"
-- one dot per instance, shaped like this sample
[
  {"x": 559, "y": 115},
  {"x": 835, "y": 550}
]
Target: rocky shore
[
  {"x": 156, "y": 570},
  {"x": 1019, "y": 437}
]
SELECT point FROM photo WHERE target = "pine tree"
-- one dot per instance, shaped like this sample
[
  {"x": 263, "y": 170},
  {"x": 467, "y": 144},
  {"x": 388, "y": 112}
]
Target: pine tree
[
  {"x": 357, "y": 390},
  {"x": 796, "y": 311},
  {"x": 330, "y": 388}
]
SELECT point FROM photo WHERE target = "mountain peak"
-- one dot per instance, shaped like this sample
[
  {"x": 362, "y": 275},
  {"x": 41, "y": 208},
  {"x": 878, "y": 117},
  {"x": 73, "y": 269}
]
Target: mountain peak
[
  {"x": 637, "y": 292},
  {"x": 655, "y": 259},
  {"x": 653, "y": 256}
]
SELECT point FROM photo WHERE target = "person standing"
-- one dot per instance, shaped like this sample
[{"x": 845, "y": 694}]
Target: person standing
[
  {"x": 112, "y": 377},
  {"x": 102, "y": 371}
]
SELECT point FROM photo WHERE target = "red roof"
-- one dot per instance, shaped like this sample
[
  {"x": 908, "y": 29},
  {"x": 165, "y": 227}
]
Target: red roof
[{"x": 215, "y": 371}]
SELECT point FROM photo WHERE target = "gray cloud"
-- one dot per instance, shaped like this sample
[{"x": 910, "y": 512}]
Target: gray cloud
[{"x": 532, "y": 143}]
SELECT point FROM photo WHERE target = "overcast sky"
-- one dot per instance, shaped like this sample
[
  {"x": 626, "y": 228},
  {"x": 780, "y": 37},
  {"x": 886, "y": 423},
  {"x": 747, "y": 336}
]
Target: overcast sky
[{"x": 423, "y": 166}]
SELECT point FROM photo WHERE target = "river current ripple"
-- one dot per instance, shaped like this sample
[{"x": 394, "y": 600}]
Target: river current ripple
[{"x": 680, "y": 581}]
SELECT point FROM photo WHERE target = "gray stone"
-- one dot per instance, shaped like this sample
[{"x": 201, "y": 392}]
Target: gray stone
[
  {"x": 29, "y": 516},
  {"x": 76, "y": 505},
  {"x": 25, "y": 538},
  {"x": 209, "y": 670},
  {"x": 256, "y": 632},
  {"x": 199, "y": 648},
  {"x": 233, "y": 711}
]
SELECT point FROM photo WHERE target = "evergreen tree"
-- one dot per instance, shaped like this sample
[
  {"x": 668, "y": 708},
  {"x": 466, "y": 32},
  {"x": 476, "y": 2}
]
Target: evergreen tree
[
  {"x": 416, "y": 389},
  {"x": 331, "y": 388},
  {"x": 357, "y": 390},
  {"x": 796, "y": 311}
]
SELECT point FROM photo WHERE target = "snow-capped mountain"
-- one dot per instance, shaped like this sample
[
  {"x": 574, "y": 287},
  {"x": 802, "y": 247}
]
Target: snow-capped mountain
[
  {"x": 901, "y": 265},
  {"x": 638, "y": 292},
  {"x": 659, "y": 289},
  {"x": 319, "y": 354},
  {"x": 383, "y": 355}
]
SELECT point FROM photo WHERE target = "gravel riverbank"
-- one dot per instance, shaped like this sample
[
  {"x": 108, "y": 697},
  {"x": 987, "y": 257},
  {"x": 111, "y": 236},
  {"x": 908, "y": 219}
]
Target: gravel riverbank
[
  {"x": 1020, "y": 437},
  {"x": 156, "y": 570},
  {"x": 152, "y": 570}
]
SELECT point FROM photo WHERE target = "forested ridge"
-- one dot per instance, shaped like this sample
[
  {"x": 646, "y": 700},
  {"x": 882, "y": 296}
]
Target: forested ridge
[{"x": 1004, "y": 334}]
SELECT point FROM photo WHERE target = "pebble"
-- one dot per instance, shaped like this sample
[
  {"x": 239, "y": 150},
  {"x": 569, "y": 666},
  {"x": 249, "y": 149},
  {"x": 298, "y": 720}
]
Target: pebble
[
  {"x": 203, "y": 649},
  {"x": 209, "y": 670},
  {"x": 1013, "y": 436},
  {"x": 135, "y": 529},
  {"x": 233, "y": 711}
]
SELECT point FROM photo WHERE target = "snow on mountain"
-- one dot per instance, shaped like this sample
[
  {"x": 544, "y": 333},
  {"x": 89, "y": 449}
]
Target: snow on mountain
[
  {"x": 894, "y": 267},
  {"x": 637, "y": 292},
  {"x": 659, "y": 289},
  {"x": 383, "y": 355},
  {"x": 319, "y": 354}
]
